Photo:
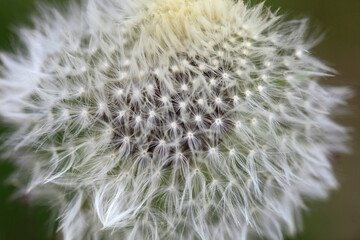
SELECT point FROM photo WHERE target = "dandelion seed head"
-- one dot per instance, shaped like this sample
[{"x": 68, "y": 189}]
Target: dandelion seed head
[{"x": 134, "y": 110}]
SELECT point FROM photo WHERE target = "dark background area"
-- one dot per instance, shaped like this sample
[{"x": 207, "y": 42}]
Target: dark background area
[{"x": 338, "y": 218}]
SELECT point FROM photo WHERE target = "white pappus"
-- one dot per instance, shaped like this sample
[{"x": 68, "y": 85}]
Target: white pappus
[{"x": 170, "y": 119}]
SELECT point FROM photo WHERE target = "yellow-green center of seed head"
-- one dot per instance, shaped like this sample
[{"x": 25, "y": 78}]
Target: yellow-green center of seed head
[{"x": 173, "y": 22}]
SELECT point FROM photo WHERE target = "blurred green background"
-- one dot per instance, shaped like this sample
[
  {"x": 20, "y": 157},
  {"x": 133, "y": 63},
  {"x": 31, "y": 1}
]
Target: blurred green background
[{"x": 335, "y": 219}]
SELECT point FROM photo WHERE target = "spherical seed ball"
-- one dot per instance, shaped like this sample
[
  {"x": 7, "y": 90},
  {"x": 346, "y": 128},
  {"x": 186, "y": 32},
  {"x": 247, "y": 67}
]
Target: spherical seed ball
[{"x": 171, "y": 119}]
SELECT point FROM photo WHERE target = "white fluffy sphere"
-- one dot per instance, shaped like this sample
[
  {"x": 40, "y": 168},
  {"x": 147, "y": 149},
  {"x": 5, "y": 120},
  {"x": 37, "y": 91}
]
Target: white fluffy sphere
[{"x": 170, "y": 119}]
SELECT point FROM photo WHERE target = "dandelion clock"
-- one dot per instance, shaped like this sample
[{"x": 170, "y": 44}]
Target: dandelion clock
[{"x": 170, "y": 119}]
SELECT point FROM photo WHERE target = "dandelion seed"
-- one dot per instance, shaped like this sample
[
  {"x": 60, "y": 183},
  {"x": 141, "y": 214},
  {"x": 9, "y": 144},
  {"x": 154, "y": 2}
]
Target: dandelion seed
[
  {"x": 51, "y": 116},
  {"x": 198, "y": 118},
  {"x": 127, "y": 62},
  {"x": 150, "y": 87},
  {"x": 185, "y": 63},
  {"x": 101, "y": 107},
  {"x": 267, "y": 64},
  {"x": 84, "y": 113},
  {"x": 66, "y": 113},
  {"x": 212, "y": 81},
  {"x": 122, "y": 113},
  {"x": 235, "y": 99},
  {"x": 215, "y": 62},
  {"x": 239, "y": 72},
  {"x": 247, "y": 44},
  {"x": 225, "y": 75},
  {"x": 289, "y": 78},
  {"x": 175, "y": 68},
  {"x": 232, "y": 152},
  {"x": 201, "y": 67},
  {"x": 109, "y": 131},
  {"x": 264, "y": 77},
  {"x": 182, "y": 105},
  {"x": 81, "y": 91},
  {"x": 173, "y": 125},
  {"x": 105, "y": 66},
  {"x": 164, "y": 100},
  {"x": 138, "y": 119},
  {"x": 200, "y": 101},
  {"x": 157, "y": 72},
  {"x": 218, "y": 121},
  {"x": 142, "y": 74},
  {"x": 119, "y": 92},
  {"x": 299, "y": 53},
  {"x": 152, "y": 114},
  {"x": 123, "y": 75},
  {"x": 184, "y": 87},
  {"x": 213, "y": 154},
  {"x": 218, "y": 100}
]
